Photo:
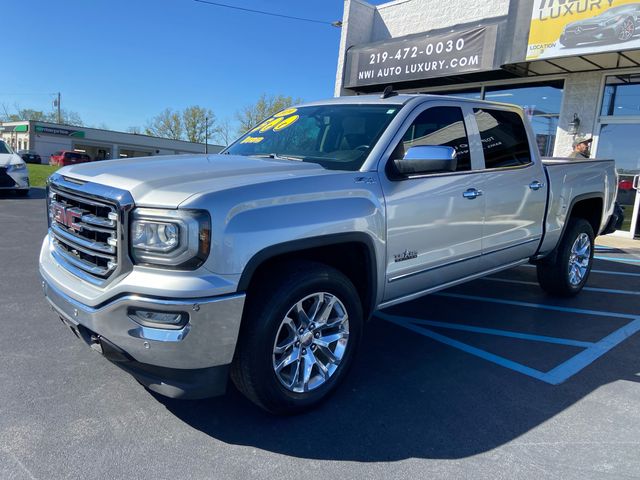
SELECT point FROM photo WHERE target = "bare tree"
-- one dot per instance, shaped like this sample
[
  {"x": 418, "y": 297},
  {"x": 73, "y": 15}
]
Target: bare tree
[
  {"x": 19, "y": 114},
  {"x": 135, "y": 130},
  {"x": 250, "y": 115},
  {"x": 194, "y": 120},
  {"x": 224, "y": 133},
  {"x": 167, "y": 124}
]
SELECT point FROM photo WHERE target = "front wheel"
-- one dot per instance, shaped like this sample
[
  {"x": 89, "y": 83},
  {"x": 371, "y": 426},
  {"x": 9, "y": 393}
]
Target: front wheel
[
  {"x": 567, "y": 273},
  {"x": 298, "y": 338}
]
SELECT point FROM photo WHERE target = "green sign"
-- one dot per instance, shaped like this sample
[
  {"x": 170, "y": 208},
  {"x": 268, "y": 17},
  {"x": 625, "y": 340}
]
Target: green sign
[
  {"x": 59, "y": 131},
  {"x": 14, "y": 128}
]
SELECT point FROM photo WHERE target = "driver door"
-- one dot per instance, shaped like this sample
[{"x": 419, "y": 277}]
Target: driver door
[{"x": 434, "y": 227}]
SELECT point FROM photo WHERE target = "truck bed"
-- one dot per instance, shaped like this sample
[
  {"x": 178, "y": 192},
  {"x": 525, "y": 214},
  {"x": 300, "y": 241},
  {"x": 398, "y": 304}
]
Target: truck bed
[{"x": 571, "y": 180}]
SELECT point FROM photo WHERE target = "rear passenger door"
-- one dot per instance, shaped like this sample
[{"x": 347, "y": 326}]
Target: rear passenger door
[{"x": 515, "y": 188}]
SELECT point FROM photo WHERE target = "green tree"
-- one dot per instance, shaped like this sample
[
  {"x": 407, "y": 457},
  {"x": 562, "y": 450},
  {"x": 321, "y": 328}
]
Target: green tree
[
  {"x": 194, "y": 121},
  {"x": 250, "y": 115},
  {"x": 167, "y": 124}
]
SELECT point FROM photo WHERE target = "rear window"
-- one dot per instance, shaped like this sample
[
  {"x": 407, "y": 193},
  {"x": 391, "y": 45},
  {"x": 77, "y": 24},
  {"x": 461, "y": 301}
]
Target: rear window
[{"x": 504, "y": 138}]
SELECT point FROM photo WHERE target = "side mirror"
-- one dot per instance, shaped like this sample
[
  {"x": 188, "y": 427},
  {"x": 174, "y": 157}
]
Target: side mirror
[{"x": 427, "y": 159}]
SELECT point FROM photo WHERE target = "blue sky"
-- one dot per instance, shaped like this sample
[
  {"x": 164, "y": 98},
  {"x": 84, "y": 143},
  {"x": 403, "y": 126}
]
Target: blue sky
[{"x": 120, "y": 62}]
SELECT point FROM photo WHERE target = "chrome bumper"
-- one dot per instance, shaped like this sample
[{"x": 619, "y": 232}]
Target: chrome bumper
[{"x": 207, "y": 340}]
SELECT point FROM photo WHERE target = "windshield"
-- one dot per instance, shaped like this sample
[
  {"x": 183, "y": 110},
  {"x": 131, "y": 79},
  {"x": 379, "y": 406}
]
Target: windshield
[
  {"x": 4, "y": 148},
  {"x": 338, "y": 137}
]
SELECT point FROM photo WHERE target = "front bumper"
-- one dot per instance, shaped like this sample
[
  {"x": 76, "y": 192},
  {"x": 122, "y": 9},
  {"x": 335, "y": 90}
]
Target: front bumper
[
  {"x": 14, "y": 180},
  {"x": 190, "y": 362}
]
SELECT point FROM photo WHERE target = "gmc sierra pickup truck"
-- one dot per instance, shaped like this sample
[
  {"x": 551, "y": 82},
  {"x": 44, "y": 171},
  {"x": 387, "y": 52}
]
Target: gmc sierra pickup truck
[{"x": 264, "y": 262}]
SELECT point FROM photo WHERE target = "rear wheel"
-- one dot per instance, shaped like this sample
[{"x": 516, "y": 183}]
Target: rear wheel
[
  {"x": 298, "y": 338},
  {"x": 626, "y": 30},
  {"x": 566, "y": 274}
]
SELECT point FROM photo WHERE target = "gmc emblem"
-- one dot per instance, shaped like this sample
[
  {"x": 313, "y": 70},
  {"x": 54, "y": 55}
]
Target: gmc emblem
[{"x": 65, "y": 215}]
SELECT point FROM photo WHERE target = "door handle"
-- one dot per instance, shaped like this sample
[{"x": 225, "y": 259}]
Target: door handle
[
  {"x": 472, "y": 193},
  {"x": 536, "y": 185}
]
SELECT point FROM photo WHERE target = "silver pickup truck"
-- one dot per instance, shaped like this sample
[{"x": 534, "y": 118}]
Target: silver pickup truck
[{"x": 264, "y": 262}]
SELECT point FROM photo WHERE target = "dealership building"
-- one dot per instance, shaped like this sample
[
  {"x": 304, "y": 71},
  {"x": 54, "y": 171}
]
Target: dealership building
[
  {"x": 46, "y": 138},
  {"x": 573, "y": 65}
]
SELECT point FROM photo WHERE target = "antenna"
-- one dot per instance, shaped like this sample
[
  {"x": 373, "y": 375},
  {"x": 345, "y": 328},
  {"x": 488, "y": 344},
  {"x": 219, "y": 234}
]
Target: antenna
[{"x": 388, "y": 92}]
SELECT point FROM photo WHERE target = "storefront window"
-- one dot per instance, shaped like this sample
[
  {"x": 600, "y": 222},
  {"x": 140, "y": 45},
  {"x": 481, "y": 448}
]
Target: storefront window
[
  {"x": 474, "y": 93},
  {"x": 621, "y": 95},
  {"x": 541, "y": 103}
]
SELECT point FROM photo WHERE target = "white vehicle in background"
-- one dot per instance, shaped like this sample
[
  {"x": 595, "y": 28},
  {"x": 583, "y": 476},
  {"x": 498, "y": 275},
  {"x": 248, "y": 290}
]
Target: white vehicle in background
[{"x": 13, "y": 171}]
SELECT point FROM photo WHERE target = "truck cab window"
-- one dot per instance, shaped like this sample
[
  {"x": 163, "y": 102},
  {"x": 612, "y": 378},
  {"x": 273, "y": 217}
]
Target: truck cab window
[
  {"x": 441, "y": 126},
  {"x": 504, "y": 138}
]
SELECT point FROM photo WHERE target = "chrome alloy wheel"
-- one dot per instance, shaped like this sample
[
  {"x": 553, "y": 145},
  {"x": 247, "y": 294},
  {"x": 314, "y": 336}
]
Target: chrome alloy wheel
[
  {"x": 579, "y": 259},
  {"x": 311, "y": 342},
  {"x": 627, "y": 30}
]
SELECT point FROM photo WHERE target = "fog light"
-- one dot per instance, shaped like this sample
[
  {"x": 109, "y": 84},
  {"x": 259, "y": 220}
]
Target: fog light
[{"x": 159, "y": 319}]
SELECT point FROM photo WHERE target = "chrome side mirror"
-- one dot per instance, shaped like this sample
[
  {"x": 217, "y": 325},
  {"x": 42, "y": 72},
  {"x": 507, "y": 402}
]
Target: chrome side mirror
[{"x": 423, "y": 159}]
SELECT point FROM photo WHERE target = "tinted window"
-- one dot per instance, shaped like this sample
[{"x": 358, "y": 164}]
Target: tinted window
[
  {"x": 443, "y": 126},
  {"x": 504, "y": 139},
  {"x": 335, "y": 136}
]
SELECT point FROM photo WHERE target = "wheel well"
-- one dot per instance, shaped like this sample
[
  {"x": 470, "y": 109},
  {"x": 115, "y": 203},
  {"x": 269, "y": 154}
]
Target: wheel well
[
  {"x": 353, "y": 259},
  {"x": 591, "y": 210}
]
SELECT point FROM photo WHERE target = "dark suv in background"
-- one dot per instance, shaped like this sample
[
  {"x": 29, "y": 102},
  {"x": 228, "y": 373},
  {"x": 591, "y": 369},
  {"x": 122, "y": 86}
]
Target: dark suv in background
[{"x": 29, "y": 156}]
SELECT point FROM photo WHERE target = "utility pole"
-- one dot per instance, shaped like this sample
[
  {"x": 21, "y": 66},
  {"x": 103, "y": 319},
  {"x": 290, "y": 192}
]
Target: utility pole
[
  {"x": 206, "y": 134},
  {"x": 57, "y": 104}
]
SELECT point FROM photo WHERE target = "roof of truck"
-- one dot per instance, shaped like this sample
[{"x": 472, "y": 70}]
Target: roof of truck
[{"x": 397, "y": 99}]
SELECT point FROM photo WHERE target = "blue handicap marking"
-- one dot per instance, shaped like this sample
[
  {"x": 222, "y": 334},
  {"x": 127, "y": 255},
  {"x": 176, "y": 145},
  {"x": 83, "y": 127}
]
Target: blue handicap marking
[{"x": 559, "y": 374}]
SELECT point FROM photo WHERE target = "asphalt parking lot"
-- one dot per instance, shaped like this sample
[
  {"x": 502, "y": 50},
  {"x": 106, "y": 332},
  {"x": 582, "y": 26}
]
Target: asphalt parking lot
[{"x": 488, "y": 380}]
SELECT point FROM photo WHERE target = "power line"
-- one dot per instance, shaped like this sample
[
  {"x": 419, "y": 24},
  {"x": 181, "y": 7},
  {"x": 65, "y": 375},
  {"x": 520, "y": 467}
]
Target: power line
[{"x": 262, "y": 12}]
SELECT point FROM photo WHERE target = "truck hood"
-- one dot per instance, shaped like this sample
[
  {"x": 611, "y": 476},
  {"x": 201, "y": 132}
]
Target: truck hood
[{"x": 167, "y": 181}]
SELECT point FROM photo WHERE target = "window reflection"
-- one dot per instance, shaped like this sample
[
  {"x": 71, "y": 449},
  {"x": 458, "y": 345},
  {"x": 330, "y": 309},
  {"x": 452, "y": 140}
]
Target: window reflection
[
  {"x": 621, "y": 95},
  {"x": 541, "y": 103}
]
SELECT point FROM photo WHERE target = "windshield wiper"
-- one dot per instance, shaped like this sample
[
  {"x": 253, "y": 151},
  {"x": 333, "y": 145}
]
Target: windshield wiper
[{"x": 277, "y": 156}]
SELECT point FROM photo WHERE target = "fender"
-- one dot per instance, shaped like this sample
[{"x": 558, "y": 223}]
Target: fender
[
  {"x": 316, "y": 242},
  {"x": 585, "y": 196}
]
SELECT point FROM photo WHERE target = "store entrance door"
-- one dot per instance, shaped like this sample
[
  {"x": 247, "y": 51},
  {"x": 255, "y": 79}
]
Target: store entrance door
[{"x": 620, "y": 142}]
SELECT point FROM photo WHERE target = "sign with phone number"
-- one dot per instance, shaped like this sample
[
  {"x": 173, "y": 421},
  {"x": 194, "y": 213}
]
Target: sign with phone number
[{"x": 417, "y": 57}]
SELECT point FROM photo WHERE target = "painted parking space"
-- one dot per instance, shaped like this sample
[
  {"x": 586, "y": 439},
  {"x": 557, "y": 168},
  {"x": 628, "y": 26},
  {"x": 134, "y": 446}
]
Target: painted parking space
[{"x": 506, "y": 319}]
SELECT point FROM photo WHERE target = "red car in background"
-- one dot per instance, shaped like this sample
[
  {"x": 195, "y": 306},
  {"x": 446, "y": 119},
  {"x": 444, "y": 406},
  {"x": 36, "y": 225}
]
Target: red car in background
[{"x": 65, "y": 157}]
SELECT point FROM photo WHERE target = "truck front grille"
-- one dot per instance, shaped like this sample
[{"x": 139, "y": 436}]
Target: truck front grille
[{"x": 84, "y": 232}]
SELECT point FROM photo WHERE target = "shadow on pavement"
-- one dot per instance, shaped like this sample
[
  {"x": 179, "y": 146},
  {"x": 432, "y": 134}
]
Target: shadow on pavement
[
  {"x": 35, "y": 193},
  {"x": 408, "y": 397}
]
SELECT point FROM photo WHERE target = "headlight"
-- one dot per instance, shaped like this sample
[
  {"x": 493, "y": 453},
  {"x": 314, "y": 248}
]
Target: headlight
[
  {"x": 171, "y": 238},
  {"x": 17, "y": 167}
]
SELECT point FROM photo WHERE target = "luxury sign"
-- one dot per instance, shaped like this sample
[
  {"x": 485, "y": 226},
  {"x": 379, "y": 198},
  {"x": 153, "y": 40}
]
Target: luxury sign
[{"x": 421, "y": 56}]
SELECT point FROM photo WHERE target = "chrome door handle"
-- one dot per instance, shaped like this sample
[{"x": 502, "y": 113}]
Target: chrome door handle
[
  {"x": 536, "y": 185},
  {"x": 472, "y": 193}
]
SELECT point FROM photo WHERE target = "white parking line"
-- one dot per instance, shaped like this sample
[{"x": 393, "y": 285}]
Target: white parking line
[
  {"x": 589, "y": 289},
  {"x": 543, "y": 306},
  {"x": 557, "y": 375},
  {"x": 593, "y": 270}
]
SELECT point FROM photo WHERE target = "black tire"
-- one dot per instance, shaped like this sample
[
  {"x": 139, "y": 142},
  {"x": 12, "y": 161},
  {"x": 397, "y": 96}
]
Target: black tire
[
  {"x": 626, "y": 31},
  {"x": 568, "y": 43},
  {"x": 554, "y": 274},
  {"x": 253, "y": 369}
]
